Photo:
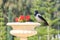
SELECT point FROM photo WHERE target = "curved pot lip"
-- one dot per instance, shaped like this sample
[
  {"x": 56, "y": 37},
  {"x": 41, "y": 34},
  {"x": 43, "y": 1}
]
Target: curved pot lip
[
  {"x": 22, "y": 31},
  {"x": 23, "y": 23}
]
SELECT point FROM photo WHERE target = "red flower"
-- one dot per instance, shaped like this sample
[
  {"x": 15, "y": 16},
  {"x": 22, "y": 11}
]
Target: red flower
[
  {"x": 27, "y": 18},
  {"x": 21, "y": 17},
  {"x": 16, "y": 19}
]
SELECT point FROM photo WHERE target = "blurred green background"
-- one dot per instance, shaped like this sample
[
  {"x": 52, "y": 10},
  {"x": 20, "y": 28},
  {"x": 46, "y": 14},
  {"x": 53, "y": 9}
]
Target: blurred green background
[{"x": 49, "y": 9}]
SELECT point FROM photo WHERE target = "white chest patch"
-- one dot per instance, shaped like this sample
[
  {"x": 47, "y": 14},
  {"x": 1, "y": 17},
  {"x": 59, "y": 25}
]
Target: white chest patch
[{"x": 38, "y": 19}]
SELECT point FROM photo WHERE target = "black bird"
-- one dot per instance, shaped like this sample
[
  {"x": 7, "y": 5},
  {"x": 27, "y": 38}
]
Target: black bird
[{"x": 39, "y": 18}]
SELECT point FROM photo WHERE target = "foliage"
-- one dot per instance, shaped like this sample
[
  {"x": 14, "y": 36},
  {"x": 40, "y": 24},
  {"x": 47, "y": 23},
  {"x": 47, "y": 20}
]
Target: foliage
[
  {"x": 47, "y": 8},
  {"x": 2, "y": 27},
  {"x": 34, "y": 38}
]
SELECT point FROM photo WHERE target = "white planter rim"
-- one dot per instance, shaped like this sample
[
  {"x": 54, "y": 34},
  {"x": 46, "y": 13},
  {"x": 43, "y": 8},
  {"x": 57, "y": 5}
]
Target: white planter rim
[
  {"x": 23, "y": 23},
  {"x": 22, "y": 31}
]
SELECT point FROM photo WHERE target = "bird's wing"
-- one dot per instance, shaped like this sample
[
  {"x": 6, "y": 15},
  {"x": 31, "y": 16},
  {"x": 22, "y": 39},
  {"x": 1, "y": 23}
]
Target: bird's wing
[{"x": 43, "y": 19}]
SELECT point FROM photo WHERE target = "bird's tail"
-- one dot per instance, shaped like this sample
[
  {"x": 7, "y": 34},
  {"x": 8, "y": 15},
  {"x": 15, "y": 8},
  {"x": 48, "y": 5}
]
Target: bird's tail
[{"x": 46, "y": 24}]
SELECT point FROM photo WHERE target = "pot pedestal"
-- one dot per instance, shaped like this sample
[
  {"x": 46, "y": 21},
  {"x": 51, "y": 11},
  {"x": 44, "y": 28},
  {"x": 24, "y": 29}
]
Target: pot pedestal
[
  {"x": 23, "y": 38},
  {"x": 23, "y": 30}
]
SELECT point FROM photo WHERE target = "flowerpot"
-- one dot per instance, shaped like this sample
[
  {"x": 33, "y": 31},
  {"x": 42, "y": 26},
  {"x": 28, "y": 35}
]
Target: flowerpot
[
  {"x": 23, "y": 26},
  {"x": 23, "y": 33},
  {"x": 23, "y": 30}
]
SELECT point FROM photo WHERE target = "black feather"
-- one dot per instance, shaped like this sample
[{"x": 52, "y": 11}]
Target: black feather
[
  {"x": 45, "y": 22},
  {"x": 36, "y": 12}
]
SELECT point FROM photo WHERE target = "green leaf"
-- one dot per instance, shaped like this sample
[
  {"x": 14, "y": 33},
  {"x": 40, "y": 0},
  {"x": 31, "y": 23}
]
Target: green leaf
[{"x": 54, "y": 21}]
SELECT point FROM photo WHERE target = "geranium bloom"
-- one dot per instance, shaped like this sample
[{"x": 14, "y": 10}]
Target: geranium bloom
[
  {"x": 27, "y": 18},
  {"x": 21, "y": 17},
  {"x": 16, "y": 19}
]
